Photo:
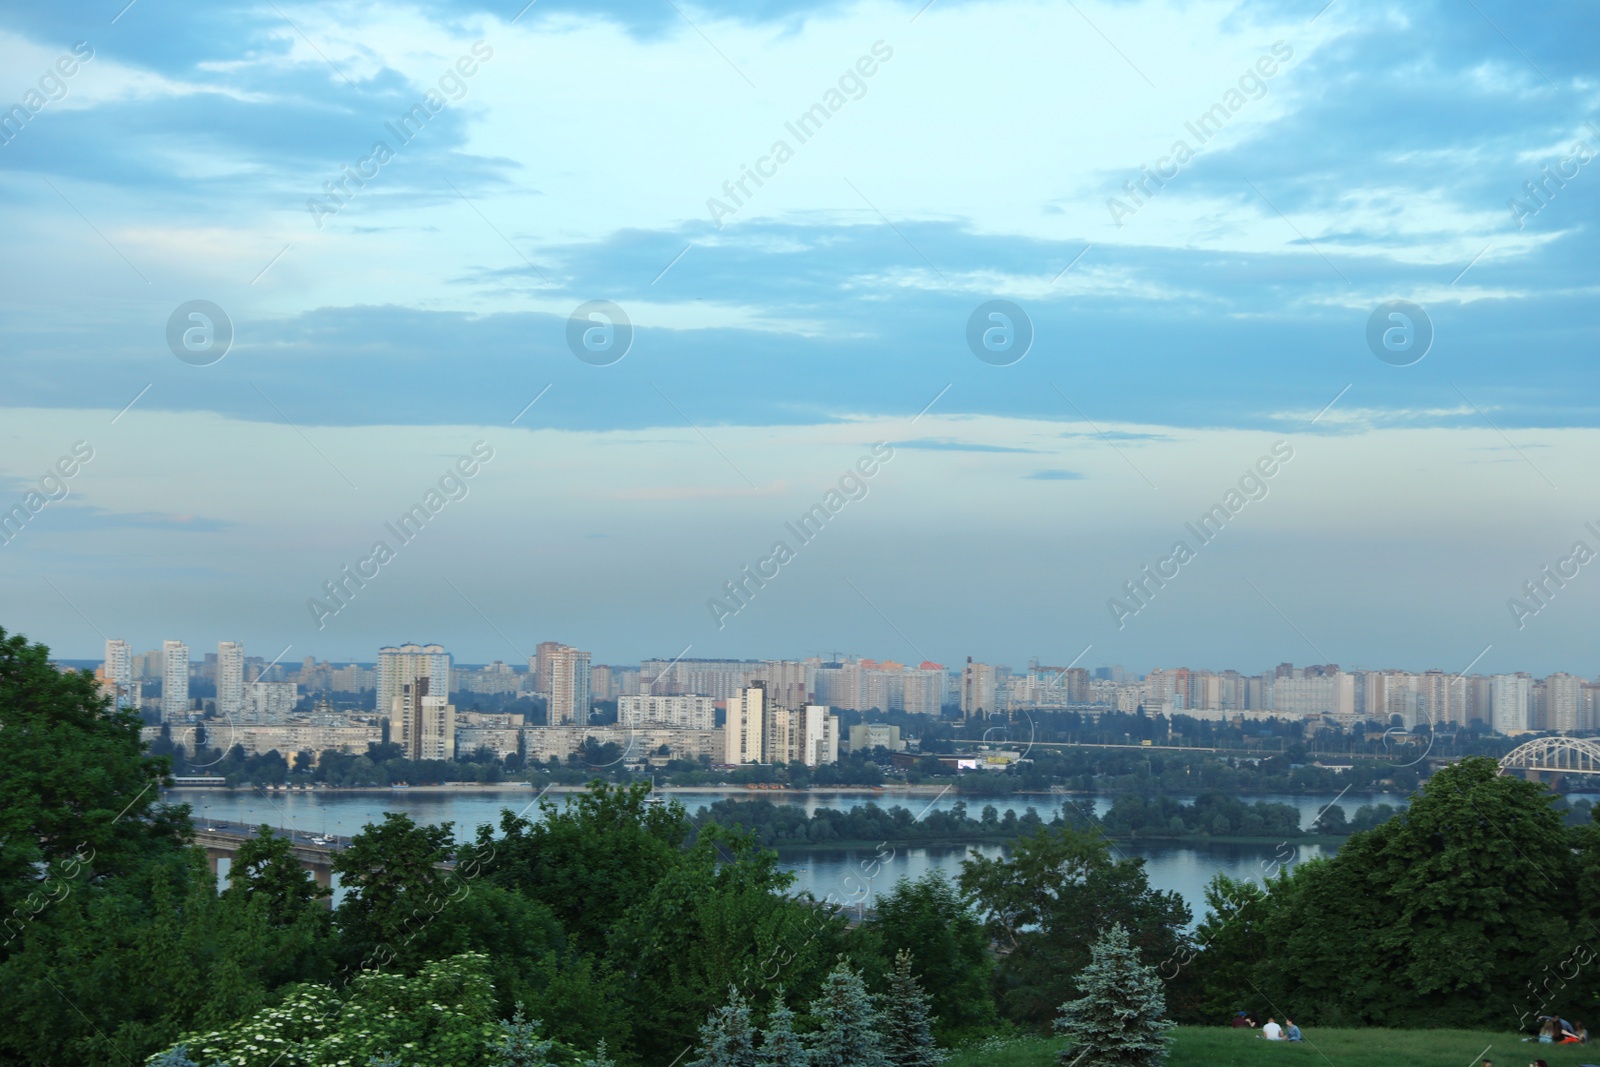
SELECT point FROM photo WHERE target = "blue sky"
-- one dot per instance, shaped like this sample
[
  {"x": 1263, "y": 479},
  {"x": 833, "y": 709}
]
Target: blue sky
[{"x": 1178, "y": 333}]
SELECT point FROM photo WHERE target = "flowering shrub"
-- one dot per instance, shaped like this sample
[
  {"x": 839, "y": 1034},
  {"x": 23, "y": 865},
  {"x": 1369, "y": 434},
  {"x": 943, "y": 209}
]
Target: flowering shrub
[{"x": 442, "y": 1017}]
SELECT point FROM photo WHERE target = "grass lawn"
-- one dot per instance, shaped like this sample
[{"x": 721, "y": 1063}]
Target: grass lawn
[{"x": 1215, "y": 1046}]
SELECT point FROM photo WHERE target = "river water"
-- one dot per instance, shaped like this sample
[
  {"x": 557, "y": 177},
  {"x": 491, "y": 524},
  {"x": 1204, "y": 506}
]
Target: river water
[{"x": 850, "y": 876}]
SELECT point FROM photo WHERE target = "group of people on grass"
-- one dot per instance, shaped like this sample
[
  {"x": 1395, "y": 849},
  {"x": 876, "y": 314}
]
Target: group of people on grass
[
  {"x": 1271, "y": 1030},
  {"x": 1554, "y": 1030}
]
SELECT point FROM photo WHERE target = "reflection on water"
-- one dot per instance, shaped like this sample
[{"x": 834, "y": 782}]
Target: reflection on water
[
  {"x": 850, "y": 876},
  {"x": 855, "y": 877}
]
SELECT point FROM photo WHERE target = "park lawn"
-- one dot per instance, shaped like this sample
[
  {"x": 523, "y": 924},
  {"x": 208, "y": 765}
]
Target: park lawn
[{"x": 1216, "y": 1046}]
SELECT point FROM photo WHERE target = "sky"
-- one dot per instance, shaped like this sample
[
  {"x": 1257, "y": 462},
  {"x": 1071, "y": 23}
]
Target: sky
[{"x": 666, "y": 276}]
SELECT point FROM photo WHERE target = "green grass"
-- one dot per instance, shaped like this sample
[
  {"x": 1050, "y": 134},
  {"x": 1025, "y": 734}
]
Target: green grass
[{"x": 1215, "y": 1046}]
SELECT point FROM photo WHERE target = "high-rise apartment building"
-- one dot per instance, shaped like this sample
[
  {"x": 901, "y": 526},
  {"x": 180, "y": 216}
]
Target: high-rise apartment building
[
  {"x": 230, "y": 679},
  {"x": 422, "y": 724},
  {"x": 1511, "y": 701},
  {"x": 1563, "y": 702},
  {"x": 978, "y": 683},
  {"x": 399, "y": 666},
  {"x": 539, "y": 665},
  {"x": 174, "y": 681},
  {"x": 569, "y": 686},
  {"x": 745, "y": 726},
  {"x": 118, "y": 672}
]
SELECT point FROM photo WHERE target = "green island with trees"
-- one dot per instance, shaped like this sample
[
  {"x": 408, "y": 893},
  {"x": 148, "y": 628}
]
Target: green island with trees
[{"x": 608, "y": 931}]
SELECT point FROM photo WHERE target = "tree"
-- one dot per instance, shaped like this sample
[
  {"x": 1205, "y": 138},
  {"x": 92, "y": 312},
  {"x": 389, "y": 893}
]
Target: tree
[
  {"x": 519, "y": 1043},
  {"x": 847, "y": 1034},
  {"x": 907, "y": 1019},
  {"x": 395, "y": 886},
  {"x": 1046, "y": 903},
  {"x": 1431, "y": 918},
  {"x": 1331, "y": 821},
  {"x": 264, "y": 868},
  {"x": 1120, "y": 1021},
  {"x": 949, "y": 946},
  {"x": 77, "y": 791},
  {"x": 726, "y": 1039},
  {"x": 780, "y": 1045}
]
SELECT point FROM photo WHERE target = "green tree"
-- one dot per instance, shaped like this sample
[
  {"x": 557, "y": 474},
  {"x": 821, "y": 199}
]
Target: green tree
[
  {"x": 1431, "y": 918},
  {"x": 264, "y": 868},
  {"x": 950, "y": 949},
  {"x": 77, "y": 792},
  {"x": 907, "y": 1019},
  {"x": 519, "y": 1043},
  {"x": 780, "y": 1045},
  {"x": 395, "y": 885},
  {"x": 1045, "y": 904},
  {"x": 726, "y": 1037},
  {"x": 1232, "y": 943},
  {"x": 847, "y": 1024},
  {"x": 1120, "y": 1021},
  {"x": 588, "y": 861}
]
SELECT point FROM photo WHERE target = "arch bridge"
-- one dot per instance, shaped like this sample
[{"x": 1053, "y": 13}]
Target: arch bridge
[{"x": 1552, "y": 758}]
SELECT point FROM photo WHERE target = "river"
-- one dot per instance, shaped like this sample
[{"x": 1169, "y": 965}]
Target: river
[{"x": 850, "y": 876}]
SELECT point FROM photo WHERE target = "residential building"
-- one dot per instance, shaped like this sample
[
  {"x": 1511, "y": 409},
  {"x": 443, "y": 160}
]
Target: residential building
[
  {"x": 230, "y": 679},
  {"x": 269, "y": 703},
  {"x": 569, "y": 686},
  {"x": 978, "y": 689},
  {"x": 744, "y": 727},
  {"x": 686, "y": 712},
  {"x": 1511, "y": 701},
  {"x": 118, "y": 673},
  {"x": 423, "y": 724},
  {"x": 399, "y": 666},
  {"x": 174, "y": 681}
]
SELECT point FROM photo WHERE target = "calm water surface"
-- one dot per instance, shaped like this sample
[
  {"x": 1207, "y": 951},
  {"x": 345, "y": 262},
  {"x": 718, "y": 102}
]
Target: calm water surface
[{"x": 851, "y": 876}]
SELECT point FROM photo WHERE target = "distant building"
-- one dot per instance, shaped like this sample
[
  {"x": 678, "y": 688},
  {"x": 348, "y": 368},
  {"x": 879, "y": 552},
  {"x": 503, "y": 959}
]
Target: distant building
[
  {"x": 686, "y": 712},
  {"x": 569, "y": 686},
  {"x": 743, "y": 727},
  {"x": 866, "y": 736},
  {"x": 117, "y": 673},
  {"x": 422, "y": 724},
  {"x": 1511, "y": 700},
  {"x": 399, "y": 666},
  {"x": 978, "y": 689},
  {"x": 174, "y": 681},
  {"x": 269, "y": 703},
  {"x": 230, "y": 679}
]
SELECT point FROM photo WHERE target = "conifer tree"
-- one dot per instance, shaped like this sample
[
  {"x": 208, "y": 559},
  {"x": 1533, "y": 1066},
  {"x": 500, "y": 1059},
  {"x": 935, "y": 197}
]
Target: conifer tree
[
  {"x": 848, "y": 1033},
  {"x": 907, "y": 1022},
  {"x": 176, "y": 1056},
  {"x": 520, "y": 1044},
  {"x": 780, "y": 1045},
  {"x": 600, "y": 1059},
  {"x": 726, "y": 1039},
  {"x": 1120, "y": 1021}
]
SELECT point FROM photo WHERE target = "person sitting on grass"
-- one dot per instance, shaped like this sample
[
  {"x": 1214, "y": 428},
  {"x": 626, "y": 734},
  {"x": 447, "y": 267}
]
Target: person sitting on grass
[
  {"x": 1272, "y": 1031},
  {"x": 1240, "y": 1021},
  {"x": 1548, "y": 1032},
  {"x": 1571, "y": 1033},
  {"x": 1292, "y": 1033}
]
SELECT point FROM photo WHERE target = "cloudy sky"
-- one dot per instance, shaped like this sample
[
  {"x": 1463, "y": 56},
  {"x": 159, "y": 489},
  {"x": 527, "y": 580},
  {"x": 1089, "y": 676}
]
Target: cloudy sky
[{"x": 1196, "y": 210}]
